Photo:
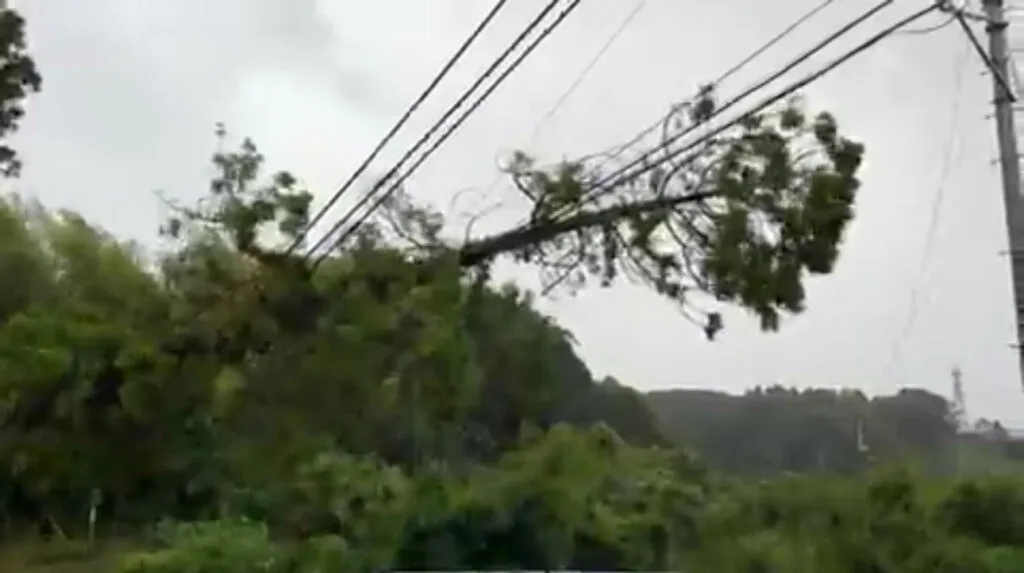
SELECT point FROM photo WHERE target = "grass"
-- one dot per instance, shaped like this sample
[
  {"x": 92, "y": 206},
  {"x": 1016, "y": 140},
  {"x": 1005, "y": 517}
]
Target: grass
[{"x": 62, "y": 556}]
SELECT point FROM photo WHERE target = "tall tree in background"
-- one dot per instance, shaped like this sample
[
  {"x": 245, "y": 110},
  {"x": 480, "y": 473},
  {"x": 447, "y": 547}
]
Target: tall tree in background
[{"x": 18, "y": 78}]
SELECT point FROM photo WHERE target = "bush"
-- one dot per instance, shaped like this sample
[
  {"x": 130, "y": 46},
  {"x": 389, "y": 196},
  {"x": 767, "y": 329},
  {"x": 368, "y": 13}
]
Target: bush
[{"x": 210, "y": 547}]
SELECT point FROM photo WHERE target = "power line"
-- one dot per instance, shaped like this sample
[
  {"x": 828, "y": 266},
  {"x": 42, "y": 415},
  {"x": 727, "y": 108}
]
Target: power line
[
  {"x": 578, "y": 81},
  {"x": 618, "y": 149},
  {"x": 948, "y": 159},
  {"x": 444, "y": 118},
  {"x": 930, "y": 29},
  {"x": 775, "y": 40},
  {"x": 399, "y": 124},
  {"x": 623, "y": 174},
  {"x": 620, "y": 176},
  {"x": 458, "y": 122}
]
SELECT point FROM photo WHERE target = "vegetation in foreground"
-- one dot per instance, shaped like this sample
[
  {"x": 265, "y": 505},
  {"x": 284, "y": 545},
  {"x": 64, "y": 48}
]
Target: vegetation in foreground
[{"x": 229, "y": 407}]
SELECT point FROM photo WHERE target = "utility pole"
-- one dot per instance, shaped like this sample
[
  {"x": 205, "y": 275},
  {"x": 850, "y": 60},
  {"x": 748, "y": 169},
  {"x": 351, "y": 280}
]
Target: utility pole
[
  {"x": 959, "y": 401},
  {"x": 959, "y": 412},
  {"x": 1009, "y": 158}
]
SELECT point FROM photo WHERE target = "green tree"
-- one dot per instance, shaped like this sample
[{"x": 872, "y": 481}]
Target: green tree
[
  {"x": 741, "y": 219},
  {"x": 18, "y": 78}
]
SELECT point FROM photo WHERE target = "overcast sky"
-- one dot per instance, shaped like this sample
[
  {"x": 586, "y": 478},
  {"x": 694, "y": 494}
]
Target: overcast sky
[{"x": 133, "y": 90}]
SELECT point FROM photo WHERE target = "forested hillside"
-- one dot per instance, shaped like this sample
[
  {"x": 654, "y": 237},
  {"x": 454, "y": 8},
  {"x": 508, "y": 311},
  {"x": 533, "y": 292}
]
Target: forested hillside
[
  {"x": 767, "y": 431},
  {"x": 222, "y": 401}
]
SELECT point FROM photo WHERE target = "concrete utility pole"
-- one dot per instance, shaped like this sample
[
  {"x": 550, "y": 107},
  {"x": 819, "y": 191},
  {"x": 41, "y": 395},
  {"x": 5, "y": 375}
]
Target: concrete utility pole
[{"x": 1009, "y": 158}]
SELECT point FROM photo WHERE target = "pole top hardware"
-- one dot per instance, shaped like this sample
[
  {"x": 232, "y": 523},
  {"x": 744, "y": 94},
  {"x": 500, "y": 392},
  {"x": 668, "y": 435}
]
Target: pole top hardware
[{"x": 948, "y": 7}]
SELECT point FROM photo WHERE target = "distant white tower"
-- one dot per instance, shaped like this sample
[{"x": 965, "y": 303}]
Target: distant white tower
[
  {"x": 959, "y": 402},
  {"x": 862, "y": 445}
]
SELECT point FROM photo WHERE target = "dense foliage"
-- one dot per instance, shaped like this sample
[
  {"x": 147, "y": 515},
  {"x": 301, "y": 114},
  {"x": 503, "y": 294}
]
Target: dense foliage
[{"x": 230, "y": 407}]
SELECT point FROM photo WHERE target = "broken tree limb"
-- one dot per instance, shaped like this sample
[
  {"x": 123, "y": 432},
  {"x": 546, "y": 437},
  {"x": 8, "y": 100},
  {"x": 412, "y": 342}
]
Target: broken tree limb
[{"x": 476, "y": 252}]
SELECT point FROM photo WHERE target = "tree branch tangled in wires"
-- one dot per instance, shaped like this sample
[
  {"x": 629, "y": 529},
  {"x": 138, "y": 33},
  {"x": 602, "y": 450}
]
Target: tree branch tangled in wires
[{"x": 742, "y": 217}]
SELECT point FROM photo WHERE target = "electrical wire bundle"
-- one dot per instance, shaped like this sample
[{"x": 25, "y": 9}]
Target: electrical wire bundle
[
  {"x": 668, "y": 149},
  {"x": 663, "y": 122},
  {"x": 346, "y": 225}
]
